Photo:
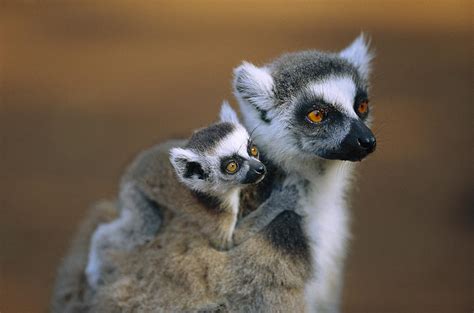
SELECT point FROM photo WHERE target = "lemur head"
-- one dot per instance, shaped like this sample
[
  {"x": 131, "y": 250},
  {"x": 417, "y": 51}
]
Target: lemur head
[
  {"x": 219, "y": 158},
  {"x": 309, "y": 103}
]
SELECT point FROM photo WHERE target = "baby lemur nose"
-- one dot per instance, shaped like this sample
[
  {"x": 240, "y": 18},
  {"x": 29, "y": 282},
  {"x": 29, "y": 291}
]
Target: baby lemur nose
[
  {"x": 368, "y": 143},
  {"x": 257, "y": 168},
  {"x": 255, "y": 173},
  {"x": 260, "y": 169}
]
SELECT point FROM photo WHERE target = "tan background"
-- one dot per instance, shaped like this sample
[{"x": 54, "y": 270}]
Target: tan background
[{"x": 84, "y": 86}]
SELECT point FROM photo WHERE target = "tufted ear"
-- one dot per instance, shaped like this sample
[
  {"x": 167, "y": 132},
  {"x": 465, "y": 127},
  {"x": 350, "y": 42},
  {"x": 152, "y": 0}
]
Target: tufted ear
[
  {"x": 228, "y": 114},
  {"x": 254, "y": 85},
  {"x": 187, "y": 166},
  {"x": 359, "y": 55}
]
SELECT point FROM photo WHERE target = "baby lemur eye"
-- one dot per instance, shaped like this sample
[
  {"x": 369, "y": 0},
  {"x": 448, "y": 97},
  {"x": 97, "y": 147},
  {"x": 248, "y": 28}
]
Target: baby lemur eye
[
  {"x": 315, "y": 116},
  {"x": 232, "y": 167},
  {"x": 254, "y": 151},
  {"x": 363, "y": 107}
]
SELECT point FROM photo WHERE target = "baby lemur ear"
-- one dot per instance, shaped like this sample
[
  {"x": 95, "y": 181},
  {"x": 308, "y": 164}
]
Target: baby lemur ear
[
  {"x": 228, "y": 114},
  {"x": 187, "y": 165},
  {"x": 254, "y": 85},
  {"x": 359, "y": 55}
]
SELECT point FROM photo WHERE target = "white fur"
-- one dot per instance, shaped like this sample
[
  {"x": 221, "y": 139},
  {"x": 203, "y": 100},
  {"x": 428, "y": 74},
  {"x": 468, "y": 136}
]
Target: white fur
[
  {"x": 267, "y": 135},
  {"x": 358, "y": 54},
  {"x": 232, "y": 201},
  {"x": 326, "y": 224},
  {"x": 185, "y": 154},
  {"x": 338, "y": 91},
  {"x": 227, "y": 114},
  {"x": 258, "y": 83},
  {"x": 110, "y": 234},
  {"x": 235, "y": 142}
]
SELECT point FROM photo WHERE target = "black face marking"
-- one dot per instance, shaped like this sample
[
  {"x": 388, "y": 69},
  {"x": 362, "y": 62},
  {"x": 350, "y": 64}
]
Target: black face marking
[
  {"x": 293, "y": 72},
  {"x": 250, "y": 144},
  {"x": 207, "y": 138},
  {"x": 286, "y": 234},
  {"x": 359, "y": 142},
  {"x": 194, "y": 168},
  {"x": 211, "y": 203},
  {"x": 325, "y": 129},
  {"x": 263, "y": 115},
  {"x": 337, "y": 136},
  {"x": 226, "y": 160},
  {"x": 359, "y": 98},
  {"x": 255, "y": 173}
]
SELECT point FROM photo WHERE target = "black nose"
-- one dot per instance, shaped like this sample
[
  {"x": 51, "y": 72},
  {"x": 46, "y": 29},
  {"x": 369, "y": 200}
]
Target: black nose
[
  {"x": 260, "y": 169},
  {"x": 368, "y": 143}
]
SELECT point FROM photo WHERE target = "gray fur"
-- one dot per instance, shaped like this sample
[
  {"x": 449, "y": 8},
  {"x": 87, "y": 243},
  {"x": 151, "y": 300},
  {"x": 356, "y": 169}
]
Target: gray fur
[
  {"x": 207, "y": 138},
  {"x": 293, "y": 71}
]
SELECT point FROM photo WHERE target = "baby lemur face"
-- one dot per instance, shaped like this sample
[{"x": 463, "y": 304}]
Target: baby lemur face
[
  {"x": 310, "y": 104},
  {"x": 218, "y": 159}
]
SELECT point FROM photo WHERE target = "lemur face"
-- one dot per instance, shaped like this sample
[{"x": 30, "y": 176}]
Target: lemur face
[
  {"x": 219, "y": 158},
  {"x": 310, "y": 103}
]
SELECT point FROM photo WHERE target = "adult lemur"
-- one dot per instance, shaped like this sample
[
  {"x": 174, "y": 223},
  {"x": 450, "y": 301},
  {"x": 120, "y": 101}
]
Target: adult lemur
[{"x": 309, "y": 112}]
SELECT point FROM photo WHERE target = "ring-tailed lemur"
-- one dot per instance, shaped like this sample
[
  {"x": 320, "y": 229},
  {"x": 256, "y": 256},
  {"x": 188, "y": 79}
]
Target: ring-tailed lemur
[
  {"x": 260, "y": 265},
  {"x": 309, "y": 113},
  {"x": 214, "y": 165}
]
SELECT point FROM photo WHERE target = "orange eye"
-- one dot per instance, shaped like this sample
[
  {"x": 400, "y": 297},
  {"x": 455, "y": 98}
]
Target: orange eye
[
  {"x": 231, "y": 167},
  {"x": 254, "y": 151},
  {"x": 363, "y": 107},
  {"x": 315, "y": 116}
]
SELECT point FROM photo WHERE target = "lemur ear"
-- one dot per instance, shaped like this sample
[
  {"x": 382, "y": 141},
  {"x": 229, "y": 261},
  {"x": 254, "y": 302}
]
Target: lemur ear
[
  {"x": 358, "y": 53},
  {"x": 228, "y": 114},
  {"x": 187, "y": 165},
  {"x": 254, "y": 85}
]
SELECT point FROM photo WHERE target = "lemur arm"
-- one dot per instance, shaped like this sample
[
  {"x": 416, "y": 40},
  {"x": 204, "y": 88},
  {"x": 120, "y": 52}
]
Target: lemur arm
[{"x": 281, "y": 199}]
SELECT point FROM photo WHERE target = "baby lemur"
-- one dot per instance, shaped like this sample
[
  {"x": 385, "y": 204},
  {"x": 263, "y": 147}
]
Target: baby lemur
[{"x": 206, "y": 175}]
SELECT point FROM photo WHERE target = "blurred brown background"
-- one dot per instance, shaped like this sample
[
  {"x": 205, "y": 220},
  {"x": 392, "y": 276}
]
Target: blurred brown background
[{"x": 85, "y": 85}]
